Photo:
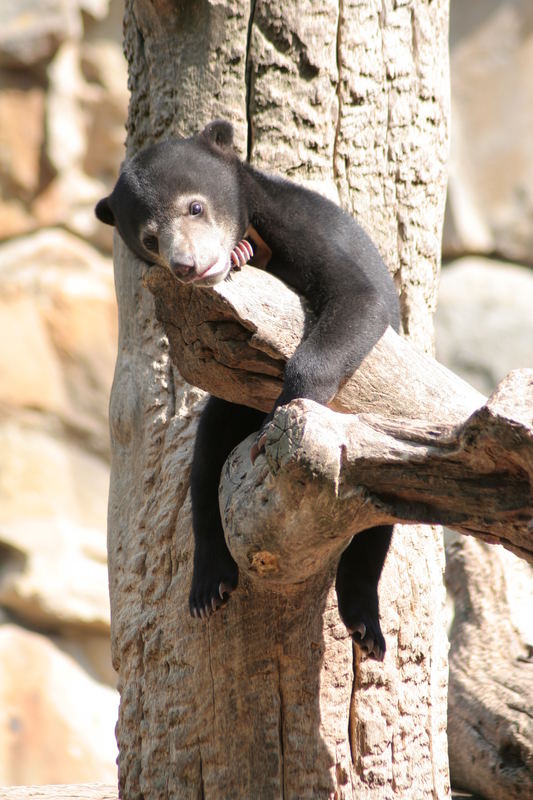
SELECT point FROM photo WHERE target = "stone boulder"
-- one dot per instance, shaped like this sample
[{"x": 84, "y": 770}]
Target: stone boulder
[
  {"x": 62, "y": 113},
  {"x": 22, "y": 133},
  {"x": 490, "y": 195},
  {"x": 58, "y": 322},
  {"x": 56, "y": 723},
  {"x": 53, "y": 573},
  {"x": 58, "y": 313},
  {"x": 484, "y": 322},
  {"x": 63, "y": 104},
  {"x": 32, "y": 30}
]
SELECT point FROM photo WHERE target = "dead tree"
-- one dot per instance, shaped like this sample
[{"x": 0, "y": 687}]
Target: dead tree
[
  {"x": 267, "y": 699},
  {"x": 424, "y": 446}
]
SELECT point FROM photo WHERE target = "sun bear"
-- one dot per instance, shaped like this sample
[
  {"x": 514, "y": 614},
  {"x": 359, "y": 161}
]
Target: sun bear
[{"x": 193, "y": 206}]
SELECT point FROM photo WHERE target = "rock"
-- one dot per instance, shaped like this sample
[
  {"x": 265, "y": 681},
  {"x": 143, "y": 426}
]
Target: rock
[
  {"x": 22, "y": 106},
  {"x": 96, "y": 8},
  {"x": 490, "y": 199},
  {"x": 32, "y": 30},
  {"x": 57, "y": 312},
  {"x": 62, "y": 77},
  {"x": 57, "y": 294},
  {"x": 53, "y": 499},
  {"x": 92, "y": 651},
  {"x": 56, "y": 723},
  {"x": 70, "y": 200},
  {"x": 484, "y": 324},
  {"x": 14, "y": 217},
  {"x": 66, "y": 140},
  {"x": 21, "y": 137},
  {"x": 87, "y": 106},
  {"x": 104, "y": 68},
  {"x": 62, "y": 129}
]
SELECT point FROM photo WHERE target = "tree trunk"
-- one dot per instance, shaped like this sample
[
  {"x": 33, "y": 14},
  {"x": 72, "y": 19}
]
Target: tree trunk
[
  {"x": 490, "y": 712},
  {"x": 425, "y": 445},
  {"x": 267, "y": 699}
]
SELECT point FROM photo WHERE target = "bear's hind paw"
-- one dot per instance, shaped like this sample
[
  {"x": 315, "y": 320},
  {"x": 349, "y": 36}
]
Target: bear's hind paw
[
  {"x": 211, "y": 592},
  {"x": 370, "y": 641}
]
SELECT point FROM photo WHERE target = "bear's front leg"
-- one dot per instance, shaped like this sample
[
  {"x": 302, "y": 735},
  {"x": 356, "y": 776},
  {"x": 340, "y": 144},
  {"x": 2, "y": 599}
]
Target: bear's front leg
[{"x": 221, "y": 427}]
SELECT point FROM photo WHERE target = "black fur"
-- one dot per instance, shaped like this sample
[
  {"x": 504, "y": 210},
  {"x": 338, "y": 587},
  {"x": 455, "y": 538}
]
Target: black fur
[{"x": 320, "y": 251}]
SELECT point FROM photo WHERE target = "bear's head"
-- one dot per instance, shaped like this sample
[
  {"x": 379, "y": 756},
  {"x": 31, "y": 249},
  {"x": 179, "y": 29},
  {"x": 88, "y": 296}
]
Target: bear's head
[{"x": 178, "y": 203}]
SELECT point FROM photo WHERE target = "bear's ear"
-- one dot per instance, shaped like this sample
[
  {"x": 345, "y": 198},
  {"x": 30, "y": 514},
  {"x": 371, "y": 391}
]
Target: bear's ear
[
  {"x": 103, "y": 211},
  {"x": 220, "y": 133}
]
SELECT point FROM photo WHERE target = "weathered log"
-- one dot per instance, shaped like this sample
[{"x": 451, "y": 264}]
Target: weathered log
[
  {"x": 267, "y": 699},
  {"x": 234, "y": 342},
  {"x": 427, "y": 447},
  {"x": 490, "y": 710}
]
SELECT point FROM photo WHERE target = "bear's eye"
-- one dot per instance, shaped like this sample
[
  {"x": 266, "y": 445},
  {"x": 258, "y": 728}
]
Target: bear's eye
[
  {"x": 150, "y": 242},
  {"x": 195, "y": 208}
]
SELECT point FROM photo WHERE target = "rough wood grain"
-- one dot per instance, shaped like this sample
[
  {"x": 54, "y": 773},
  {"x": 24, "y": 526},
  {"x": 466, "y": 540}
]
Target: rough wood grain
[
  {"x": 348, "y": 473},
  {"x": 267, "y": 699},
  {"x": 234, "y": 340},
  {"x": 491, "y": 680},
  {"x": 428, "y": 450}
]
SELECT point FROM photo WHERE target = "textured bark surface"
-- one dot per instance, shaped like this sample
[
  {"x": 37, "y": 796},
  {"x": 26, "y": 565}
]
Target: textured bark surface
[
  {"x": 429, "y": 448},
  {"x": 234, "y": 341},
  {"x": 491, "y": 680},
  {"x": 359, "y": 472},
  {"x": 266, "y": 700}
]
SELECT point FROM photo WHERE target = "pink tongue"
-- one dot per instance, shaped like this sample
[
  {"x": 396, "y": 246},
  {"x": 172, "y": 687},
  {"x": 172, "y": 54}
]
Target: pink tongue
[
  {"x": 241, "y": 253},
  {"x": 212, "y": 268}
]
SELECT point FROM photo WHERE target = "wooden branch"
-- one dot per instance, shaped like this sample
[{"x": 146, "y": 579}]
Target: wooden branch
[
  {"x": 233, "y": 341},
  {"x": 425, "y": 446},
  {"x": 327, "y": 476},
  {"x": 490, "y": 704}
]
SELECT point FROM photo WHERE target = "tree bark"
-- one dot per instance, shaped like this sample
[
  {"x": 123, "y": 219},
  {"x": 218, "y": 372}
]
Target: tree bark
[
  {"x": 267, "y": 699},
  {"x": 359, "y": 473},
  {"x": 428, "y": 447},
  {"x": 491, "y": 678}
]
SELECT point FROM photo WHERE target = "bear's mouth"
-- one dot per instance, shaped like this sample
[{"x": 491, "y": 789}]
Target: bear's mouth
[
  {"x": 215, "y": 272},
  {"x": 220, "y": 268}
]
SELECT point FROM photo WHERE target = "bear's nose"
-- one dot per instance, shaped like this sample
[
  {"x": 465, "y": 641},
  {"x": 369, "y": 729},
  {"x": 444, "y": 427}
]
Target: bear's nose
[{"x": 182, "y": 267}]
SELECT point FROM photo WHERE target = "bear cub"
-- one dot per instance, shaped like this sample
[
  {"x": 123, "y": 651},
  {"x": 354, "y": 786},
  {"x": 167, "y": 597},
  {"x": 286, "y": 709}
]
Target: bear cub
[{"x": 193, "y": 206}]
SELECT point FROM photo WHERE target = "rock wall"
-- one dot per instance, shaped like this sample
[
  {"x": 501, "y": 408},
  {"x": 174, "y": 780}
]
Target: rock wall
[
  {"x": 490, "y": 193},
  {"x": 63, "y": 104}
]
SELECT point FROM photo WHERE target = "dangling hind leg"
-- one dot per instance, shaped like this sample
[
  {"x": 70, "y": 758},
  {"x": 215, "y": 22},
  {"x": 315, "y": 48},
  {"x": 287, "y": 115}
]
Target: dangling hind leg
[{"x": 357, "y": 581}]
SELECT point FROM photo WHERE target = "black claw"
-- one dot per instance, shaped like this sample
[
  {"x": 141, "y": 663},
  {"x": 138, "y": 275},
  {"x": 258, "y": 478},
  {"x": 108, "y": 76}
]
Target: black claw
[
  {"x": 358, "y": 631},
  {"x": 360, "y": 614},
  {"x": 215, "y": 576},
  {"x": 369, "y": 645},
  {"x": 366, "y": 635},
  {"x": 258, "y": 446},
  {"x": 224, "y": 591}
]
